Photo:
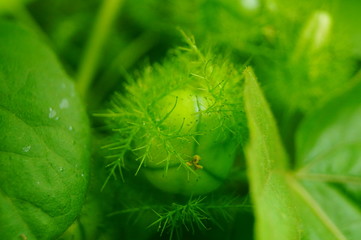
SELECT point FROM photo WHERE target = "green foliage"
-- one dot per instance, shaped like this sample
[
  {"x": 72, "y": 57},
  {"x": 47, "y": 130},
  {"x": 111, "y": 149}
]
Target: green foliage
[
  {"x": 187, "y": 142},
  {"x": 324, "y": 179},
  {"x": 267, "y": 168},
  {"x": 44, "y": 155},
  {"x": 192, "y": 216},
  {"x": 327, "y": 168}
]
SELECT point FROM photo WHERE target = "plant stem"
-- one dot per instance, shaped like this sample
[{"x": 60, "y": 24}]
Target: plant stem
[
  {"x": 88, "y": 66},
  {"x": 124, "y": 60}
]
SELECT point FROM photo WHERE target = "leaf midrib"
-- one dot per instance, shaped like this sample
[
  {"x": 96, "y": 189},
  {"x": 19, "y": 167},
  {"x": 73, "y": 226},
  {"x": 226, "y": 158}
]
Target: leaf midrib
[{"x": 316, "y": 208}]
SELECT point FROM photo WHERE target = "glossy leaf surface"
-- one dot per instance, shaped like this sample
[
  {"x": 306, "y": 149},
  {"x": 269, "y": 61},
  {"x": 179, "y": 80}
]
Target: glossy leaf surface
[{"x": 44, "y": 135}]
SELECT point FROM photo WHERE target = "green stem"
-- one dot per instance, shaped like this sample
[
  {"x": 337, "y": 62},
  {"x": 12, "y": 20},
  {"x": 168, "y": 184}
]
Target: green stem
[
  {"x": 106, "y": 17},
  {"x": 123, "y": 61}
]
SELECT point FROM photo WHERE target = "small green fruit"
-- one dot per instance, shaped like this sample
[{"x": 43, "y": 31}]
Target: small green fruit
[
  {"x": 189, "y": 113},
  {"x": 183, "y": 121}
]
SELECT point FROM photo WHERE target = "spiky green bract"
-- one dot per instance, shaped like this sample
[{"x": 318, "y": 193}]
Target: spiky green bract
[
  {"x": 189, "y": 105},
  {"x": 185, "y": 218},
  {"x": 196, "y": 214},
  {"x": 191, "y": 215}
]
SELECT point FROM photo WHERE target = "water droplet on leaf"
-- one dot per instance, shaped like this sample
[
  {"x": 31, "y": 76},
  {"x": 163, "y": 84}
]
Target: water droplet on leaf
[
  {"x": 52, "y": 113},
  {"x": 64, "y": 103},
  {"x": 26, "y": 148}
]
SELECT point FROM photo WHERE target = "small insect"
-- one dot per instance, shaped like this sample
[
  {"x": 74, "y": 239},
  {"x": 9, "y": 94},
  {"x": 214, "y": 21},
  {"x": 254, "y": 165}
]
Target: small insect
[{"x": 195, "y": 162}]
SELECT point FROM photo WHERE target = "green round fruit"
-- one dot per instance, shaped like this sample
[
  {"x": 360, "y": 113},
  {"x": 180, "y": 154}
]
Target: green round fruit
[
  {"x": 183, "y": 121},
  {"x": 204, "y": 140}
]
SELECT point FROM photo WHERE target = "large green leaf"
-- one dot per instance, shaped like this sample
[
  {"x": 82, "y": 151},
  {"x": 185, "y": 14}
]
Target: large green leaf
[
  {"x": 328, "y": 176},
  {"x": 325, "y": 188},
  {"x": 44, "y": 136},
  {"x": 267, "y": 165}
]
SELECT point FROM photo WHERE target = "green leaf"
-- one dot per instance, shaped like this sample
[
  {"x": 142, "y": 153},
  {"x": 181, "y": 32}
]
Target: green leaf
[
  {"x": 267, "y": 165},
  {"x": 328, "y": 182},
  {"x": 44, "y": 135}
]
